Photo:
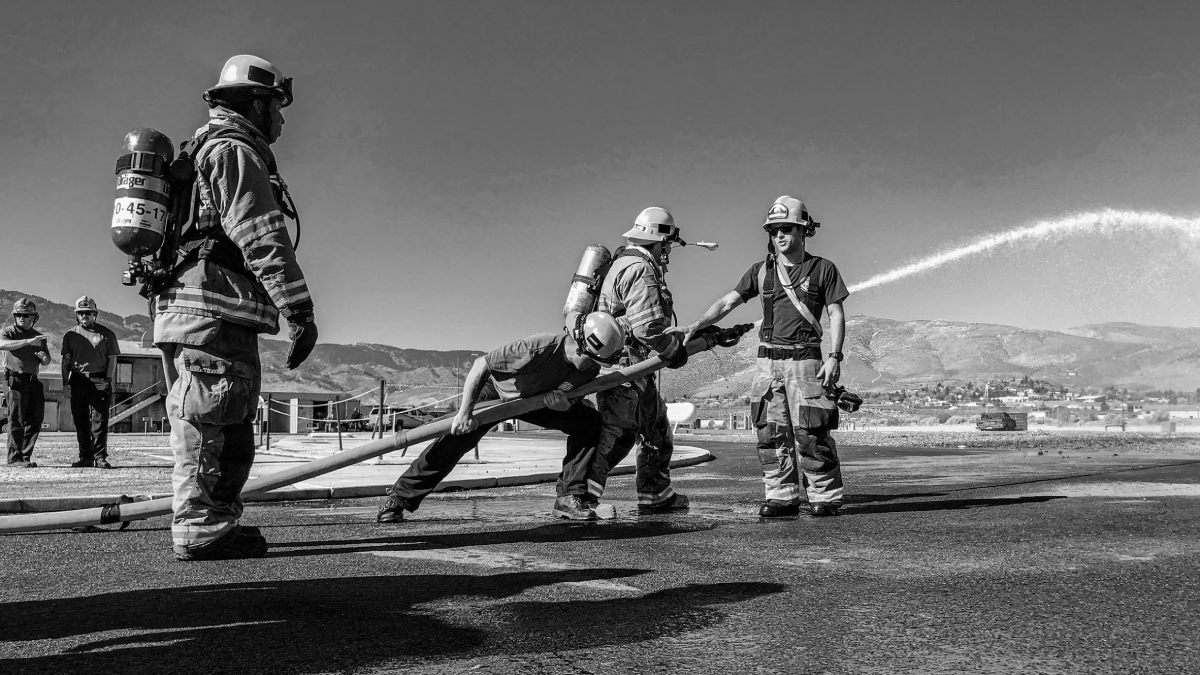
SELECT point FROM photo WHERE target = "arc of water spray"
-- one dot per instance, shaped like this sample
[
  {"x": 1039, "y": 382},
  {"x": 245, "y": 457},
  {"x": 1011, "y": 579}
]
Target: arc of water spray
[{"x": 1108, "y": 220}]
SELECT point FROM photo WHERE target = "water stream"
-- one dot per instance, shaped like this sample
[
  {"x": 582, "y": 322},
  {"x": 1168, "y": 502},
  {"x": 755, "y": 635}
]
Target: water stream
[{"x": 1107, "y": 221}]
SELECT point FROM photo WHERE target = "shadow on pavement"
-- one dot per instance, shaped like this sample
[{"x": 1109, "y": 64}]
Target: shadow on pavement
[
  {"x": 855, "y": 498},
  {"x": 946, "y": 504},
  {"x": 545, "y": 534},
  {"x": 346, "y": 624}
]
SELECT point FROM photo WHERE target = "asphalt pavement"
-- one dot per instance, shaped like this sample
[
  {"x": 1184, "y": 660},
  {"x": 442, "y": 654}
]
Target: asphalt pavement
[{"x": 944, "y": 561}]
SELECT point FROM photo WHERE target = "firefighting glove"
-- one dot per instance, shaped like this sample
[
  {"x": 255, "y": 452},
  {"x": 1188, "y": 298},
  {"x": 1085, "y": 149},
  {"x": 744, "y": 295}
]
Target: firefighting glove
[
  {"x": 725, "y": 337},
  {"x": 302, "y": 330},
  {"x": 846, "y": 400},
  {"x": 680, "y": 358}
]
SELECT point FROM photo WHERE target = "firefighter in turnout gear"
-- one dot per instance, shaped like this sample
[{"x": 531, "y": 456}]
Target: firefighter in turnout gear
[
  {"x": 635, "y": 291},
  {"x": 89, "y": 365},
  {"x": 236, "y": 275},
  {"x": 795, "y": 405},
  {"x": 26, "y": 353}
]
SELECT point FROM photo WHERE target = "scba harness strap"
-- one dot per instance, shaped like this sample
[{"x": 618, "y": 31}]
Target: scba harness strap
[
  {"x": 186, "y": 242},
  {"x": 768, "y": 273}
]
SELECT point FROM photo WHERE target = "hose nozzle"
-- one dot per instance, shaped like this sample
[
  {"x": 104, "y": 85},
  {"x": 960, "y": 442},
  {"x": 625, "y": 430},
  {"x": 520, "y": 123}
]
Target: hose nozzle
[{"x": 706, "y": 244}]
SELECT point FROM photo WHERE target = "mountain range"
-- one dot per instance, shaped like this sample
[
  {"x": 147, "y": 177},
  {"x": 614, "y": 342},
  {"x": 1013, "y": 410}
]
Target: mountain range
[
  {"x": 881, "y": 355},
  {"x": 885, "y": 355}
]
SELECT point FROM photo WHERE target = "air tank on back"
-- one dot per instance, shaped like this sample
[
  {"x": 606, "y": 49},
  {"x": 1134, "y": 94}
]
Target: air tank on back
[
  {"x": 585, "y": 285},
  {"x": 143, "y": 200}
]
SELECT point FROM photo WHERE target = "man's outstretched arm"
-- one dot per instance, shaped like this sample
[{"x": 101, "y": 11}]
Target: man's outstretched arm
[{"x": 719, "y": 310}]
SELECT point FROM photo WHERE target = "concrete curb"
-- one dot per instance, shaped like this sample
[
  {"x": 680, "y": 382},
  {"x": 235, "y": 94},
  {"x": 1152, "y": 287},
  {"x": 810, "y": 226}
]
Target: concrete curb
[{"x": 45, "y": 504}]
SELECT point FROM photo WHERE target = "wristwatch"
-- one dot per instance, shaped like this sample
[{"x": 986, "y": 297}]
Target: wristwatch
[{"x": 836, "y": 355}]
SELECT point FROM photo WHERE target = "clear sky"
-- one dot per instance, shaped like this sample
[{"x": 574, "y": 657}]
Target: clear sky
[{"x": 451, "y": 160}]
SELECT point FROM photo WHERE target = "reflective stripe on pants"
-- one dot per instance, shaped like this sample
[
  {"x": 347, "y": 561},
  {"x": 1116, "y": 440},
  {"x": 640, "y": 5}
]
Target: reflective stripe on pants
[
  {"x": 212, "y": 406},
  {"x": 794, "y": 420},
  {"x": 635, "y": 414}
]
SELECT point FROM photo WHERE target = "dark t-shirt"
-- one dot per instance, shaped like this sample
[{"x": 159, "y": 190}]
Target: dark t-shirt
[
  {"x": 818, "y": 284},
  {"x": 534, "y": 366},
  {"x": 23, "y": 360},
  {"x": 90, "y": 351}
]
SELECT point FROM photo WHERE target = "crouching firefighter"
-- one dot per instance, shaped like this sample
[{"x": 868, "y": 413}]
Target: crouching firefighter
[
  {"x": 228, "y": 271},
  {"x": 797, "y": 400},
  {"x": 542, "y": 365}
]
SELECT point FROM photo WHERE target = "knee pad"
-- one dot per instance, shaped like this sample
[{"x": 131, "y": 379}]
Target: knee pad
[
  {"x": 771, "y": 435},
  {"x": 239, "y": 443},
  {"x": 771, "y": 440},
  {"x": 816, "y": 455}
]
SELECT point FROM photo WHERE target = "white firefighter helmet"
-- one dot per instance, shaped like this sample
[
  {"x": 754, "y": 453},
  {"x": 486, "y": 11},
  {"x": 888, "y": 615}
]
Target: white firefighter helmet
[
  {"x": 789, "y": 210},
  {"x": 259, "y": 75},
  {"x": 601, "y": 337},
  {"x": 653, "y": 225},
  {"x": 85, "y": 304}
]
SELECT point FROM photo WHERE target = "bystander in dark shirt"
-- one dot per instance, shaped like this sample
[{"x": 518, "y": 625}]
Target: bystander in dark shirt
[
  {"x": 90, "y": 352},
  {"x": 23, "y": 360}
]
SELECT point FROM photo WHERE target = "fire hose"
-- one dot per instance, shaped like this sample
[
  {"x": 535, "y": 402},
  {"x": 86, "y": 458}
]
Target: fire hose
[{"x": 126, "y": 512}]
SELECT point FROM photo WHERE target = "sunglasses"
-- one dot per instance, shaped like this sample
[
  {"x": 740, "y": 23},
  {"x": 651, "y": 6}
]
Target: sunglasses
[
  {"x": 22, "y": 314},
  {"x": 86, "y": 313},
  {"x": 616, "y": 356},
  {"x": 781, "y": 229}
]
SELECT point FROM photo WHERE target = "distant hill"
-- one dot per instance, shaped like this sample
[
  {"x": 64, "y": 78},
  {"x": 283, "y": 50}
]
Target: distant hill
[
  {"x": 414, "y": 376},
  {"x": 881, "y": 355},
  {"x": 56, "y": 318},
  {"x": 422, "y": 375}
]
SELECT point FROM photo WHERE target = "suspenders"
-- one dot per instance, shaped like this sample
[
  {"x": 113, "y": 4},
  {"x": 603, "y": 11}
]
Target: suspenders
[{"x": 768, "y": 273}]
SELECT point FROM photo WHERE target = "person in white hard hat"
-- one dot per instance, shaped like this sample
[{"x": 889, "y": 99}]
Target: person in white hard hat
[
  {"x": 795, "y": 405},
  {"x": 635, "y": 291},
  {"x": 89, "y": 366},
  {"x": 26, "y": 353},
  {"x": 543, "y": 365},
  {"x": 236, "y": 274}
]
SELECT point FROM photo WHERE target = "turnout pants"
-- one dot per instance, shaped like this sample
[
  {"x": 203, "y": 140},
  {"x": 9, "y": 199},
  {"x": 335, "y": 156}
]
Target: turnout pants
[
  {"x": 91, "y": 397},
  {"x": 212, "y": 407},
  {"x": 579, "y": 422},
  {"x": 794, "y": 418},
  {"x": 631, "y": 414},
  {"x": 26, "y": 410}
]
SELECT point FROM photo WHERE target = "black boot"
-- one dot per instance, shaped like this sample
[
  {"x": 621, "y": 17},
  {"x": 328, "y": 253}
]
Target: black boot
[
  {"x": 824, "y": 509},
  {"x": 241, "y": 542},
  {"x": 392, "y": 511},
  {"x": 773, "y": 508}
]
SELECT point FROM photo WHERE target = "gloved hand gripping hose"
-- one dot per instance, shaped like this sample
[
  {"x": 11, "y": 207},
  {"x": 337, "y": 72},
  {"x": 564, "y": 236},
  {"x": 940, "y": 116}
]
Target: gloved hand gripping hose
[{"x": 725, "y": 337}]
